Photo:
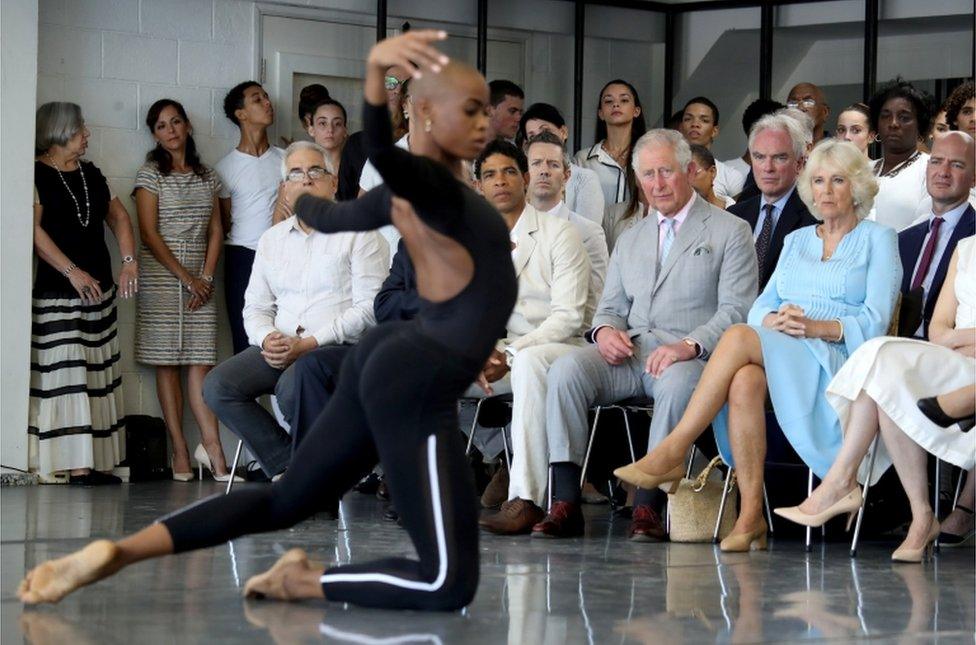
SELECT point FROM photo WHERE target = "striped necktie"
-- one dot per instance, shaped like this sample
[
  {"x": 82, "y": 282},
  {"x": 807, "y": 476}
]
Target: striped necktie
[
  {"x": 668, "y": 224},
  {"x": 765, "y": 236}
]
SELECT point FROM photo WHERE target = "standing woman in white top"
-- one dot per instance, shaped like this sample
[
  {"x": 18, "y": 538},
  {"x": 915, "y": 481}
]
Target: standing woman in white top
[
  {"x": 901, "y": 115},
  {"x": 619, "y": 123}
]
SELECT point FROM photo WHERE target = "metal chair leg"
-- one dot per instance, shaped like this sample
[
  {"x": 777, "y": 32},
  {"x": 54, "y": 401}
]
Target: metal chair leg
[
  {"x": 938, "y": 496},
  {"x": 474, "y": 425},
  {"x": 808, "y": 544},
  {"x": 955, "y": 498},
  {"x": 233, "y": 468},
  {"x": 630, "y": 440},
  {"x": 769, "y": 512},
  {"x": 589, "y": 445},
  {"x": 508, "y": 451},
  {"x": 721, "y": 506},
  {"x": 864, "y": 498}
]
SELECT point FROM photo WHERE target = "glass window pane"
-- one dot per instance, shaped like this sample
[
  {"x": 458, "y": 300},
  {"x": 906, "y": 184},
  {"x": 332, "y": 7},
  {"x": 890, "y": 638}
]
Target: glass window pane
[
  {"x": 717, "y": 56},
  {"x": 823, "y": 44}
]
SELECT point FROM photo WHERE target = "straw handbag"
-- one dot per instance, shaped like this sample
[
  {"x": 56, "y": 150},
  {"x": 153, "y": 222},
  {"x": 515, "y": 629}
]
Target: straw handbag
[{"x": 694, "y": 507}]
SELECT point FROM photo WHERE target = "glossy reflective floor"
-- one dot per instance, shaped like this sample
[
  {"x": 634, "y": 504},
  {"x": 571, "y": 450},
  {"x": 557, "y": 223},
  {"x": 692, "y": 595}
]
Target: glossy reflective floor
[{"x": 598, "y": 589}]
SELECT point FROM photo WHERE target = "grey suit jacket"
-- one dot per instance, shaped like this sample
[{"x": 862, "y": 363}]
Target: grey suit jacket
[{"x": 706, "y": 284}]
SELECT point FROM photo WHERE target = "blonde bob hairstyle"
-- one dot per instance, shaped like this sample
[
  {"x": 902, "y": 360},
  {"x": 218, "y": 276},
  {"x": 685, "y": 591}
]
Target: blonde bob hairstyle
[{"x": 844, "y": 158}]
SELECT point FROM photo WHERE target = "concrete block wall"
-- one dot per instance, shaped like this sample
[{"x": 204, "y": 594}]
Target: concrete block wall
[{"x": 115, "y": 58}]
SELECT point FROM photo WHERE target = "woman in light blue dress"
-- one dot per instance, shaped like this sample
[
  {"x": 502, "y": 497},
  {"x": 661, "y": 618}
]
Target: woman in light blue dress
[{"x": 834, "y": 288}]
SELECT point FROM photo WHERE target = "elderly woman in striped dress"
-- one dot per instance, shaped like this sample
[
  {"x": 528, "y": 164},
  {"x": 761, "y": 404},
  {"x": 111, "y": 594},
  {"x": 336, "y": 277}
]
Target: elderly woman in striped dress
[{"x": 76, "y": 421}]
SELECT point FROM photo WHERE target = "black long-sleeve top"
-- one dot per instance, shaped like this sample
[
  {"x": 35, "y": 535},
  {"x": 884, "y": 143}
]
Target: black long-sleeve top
[{"x": 471, "y": 322}]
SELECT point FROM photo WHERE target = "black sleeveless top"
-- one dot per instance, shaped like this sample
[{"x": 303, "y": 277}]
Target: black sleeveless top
[{"x": 84, "y": 245}]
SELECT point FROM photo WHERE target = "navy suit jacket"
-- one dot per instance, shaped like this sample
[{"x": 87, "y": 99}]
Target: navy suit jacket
[
  {"x": 397, "y": 299},
  {"x": 795, "y": 215},
  {"x": 910, "y": 248}
]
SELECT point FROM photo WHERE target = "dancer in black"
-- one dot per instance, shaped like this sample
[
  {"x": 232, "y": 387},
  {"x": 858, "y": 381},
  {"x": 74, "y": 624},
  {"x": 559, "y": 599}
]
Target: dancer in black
[{"x": 397, "y": 392}]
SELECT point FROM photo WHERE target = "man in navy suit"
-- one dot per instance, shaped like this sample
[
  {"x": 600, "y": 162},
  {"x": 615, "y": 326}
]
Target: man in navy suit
[
  {"x": 777, "y": 145},
  {"x": 927, "y": 247}
]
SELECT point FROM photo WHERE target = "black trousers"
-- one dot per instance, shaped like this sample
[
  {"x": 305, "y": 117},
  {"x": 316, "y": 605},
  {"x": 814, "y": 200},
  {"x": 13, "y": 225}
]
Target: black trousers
[
  {"x": 314, "y": 379},
  {"x": 238, "y": 261},
  {"x": 396, "y": 403}
]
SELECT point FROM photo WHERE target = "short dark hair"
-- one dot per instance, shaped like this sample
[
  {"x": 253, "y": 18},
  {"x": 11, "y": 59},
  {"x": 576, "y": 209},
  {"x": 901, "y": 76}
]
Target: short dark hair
[
  {"x": 310, "y": 99},
  {"x": 540, "y": 112},
  {"x": 899, "y": 88},
  {"x": 501, "y": 147},
  {"x": 324, "y": 102},
  {"x": 958, "y": 98},
  {"x": 500, "y": 88},
  {"x": 551, "y": 138},
  {"x": 757, "y": 110},
  {"x": 674, "y": 121},
  {"x": 235, "y": 100},
  {"x": 703, "y": 100},
  {"x": 704, "y": 155}
]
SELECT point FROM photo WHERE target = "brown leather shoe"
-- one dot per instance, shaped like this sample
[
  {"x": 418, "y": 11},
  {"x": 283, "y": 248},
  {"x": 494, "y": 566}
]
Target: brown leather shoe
[
  {"x": 564, "y": 520},
  {"x": 646, "y": 526},
  {"x": 516, "y": 517},
  {"x": 497, "y": 490}
]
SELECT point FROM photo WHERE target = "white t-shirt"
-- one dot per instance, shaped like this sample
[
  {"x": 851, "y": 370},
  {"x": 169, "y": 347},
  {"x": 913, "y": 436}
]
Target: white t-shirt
[
  {"x": 252, "y": 185},
  {"x": 737, "y": 172},
  {"x": 729, "y": 180},
  {"x": 902, "y": 195},
  {"x": 370, "y": 179}
]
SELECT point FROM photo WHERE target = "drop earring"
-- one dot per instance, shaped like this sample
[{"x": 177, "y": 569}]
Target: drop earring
[{"x": 427, "y": 125}]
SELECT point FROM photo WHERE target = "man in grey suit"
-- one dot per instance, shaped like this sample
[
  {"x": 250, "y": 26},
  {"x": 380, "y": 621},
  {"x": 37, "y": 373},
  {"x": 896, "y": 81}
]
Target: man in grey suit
[{"x": 676, "y": 281}]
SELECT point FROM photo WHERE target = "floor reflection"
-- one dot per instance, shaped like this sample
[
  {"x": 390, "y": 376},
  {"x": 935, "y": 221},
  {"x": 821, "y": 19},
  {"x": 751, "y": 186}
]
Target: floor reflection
[{"x": 600, "y": 589}]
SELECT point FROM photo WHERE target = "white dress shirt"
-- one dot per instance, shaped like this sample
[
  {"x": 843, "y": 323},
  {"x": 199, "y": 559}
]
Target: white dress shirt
[
  {"x": 902, "y": 195},
  {"x": 728, "y": 180},
  {"x": 314, "y": 283},
  {"x": 736, "y": 172}
]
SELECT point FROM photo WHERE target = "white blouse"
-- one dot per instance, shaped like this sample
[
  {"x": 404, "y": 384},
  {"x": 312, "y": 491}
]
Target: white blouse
[{"x": 902, "y": 195}]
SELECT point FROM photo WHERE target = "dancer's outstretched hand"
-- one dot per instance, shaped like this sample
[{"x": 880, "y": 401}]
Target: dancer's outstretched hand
[{"x": 413, "y": 51}]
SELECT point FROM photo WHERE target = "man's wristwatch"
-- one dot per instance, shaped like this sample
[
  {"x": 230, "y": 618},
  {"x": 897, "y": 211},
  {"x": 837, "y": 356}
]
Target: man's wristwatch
[
  {"x": 128, "y": 259},
  {"x": 510, "y": 356},
  {"x": 692, "y": 344}
]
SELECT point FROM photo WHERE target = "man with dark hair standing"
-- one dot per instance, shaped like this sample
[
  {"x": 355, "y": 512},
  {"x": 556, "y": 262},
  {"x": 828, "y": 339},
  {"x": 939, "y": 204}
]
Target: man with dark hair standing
[
  {"x": 507, "y": 100},
  {"x": 699, "y": 125},
  {"x": 249, "y": 177}
]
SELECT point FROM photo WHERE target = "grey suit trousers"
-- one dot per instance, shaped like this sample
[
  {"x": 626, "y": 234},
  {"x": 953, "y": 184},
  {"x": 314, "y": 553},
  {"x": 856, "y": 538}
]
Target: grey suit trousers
[{"x": 582, "y": 378}]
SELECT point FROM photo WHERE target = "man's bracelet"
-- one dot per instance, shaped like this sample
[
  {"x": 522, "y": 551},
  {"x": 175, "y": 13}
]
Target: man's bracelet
[{"x": 68, "y": 269}]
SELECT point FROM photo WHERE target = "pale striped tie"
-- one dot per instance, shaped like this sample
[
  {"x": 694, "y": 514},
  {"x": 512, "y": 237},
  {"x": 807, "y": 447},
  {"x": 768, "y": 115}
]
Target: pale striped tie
[{"x": 668, "y": 224}]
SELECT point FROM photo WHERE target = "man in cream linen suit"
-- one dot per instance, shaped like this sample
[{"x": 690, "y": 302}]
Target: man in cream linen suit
[
  {"x": 677, "y": 280},
  {"x": 526, "y": 493},
  {"x": 553, "y": 278}
]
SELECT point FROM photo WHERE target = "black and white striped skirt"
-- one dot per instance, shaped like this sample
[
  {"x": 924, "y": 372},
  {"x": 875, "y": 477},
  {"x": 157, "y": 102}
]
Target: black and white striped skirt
[{"x": 76, "y": 414}]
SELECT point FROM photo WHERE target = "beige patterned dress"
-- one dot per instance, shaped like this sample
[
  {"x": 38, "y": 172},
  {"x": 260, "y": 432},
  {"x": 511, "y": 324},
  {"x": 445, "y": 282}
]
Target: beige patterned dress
[{"x": 167, "y": 333}]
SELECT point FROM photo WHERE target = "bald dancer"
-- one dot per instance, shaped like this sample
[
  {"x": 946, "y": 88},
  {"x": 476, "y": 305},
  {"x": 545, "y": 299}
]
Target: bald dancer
[{"x": 396, "y": 398}]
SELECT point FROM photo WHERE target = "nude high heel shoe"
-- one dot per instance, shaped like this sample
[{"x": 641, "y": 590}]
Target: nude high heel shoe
[
  {"x": 850, "y": 504},
  {"x": 203, "y": 461},
  {"x": 744, "y": 542},
  {"x": 634, "y": 475},
  {"x": 914, "y": 556}
]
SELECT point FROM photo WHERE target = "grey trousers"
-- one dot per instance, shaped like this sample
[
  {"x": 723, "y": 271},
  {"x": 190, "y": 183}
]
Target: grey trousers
[
  {"x": 231, "y": 390},
  {"x": 582, "y": 378}
]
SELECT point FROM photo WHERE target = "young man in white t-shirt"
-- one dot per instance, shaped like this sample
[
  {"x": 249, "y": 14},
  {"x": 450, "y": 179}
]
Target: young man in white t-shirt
[{"x": 249, "y": 175}]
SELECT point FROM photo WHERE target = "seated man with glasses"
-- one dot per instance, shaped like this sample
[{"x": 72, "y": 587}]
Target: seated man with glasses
[{"x": 308, "y": 291}]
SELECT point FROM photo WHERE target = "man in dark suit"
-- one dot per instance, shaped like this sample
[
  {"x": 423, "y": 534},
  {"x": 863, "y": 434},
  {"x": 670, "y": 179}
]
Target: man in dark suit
[
  {"x": 927, "y": 247},
  {"x": 777, "y": 145}
]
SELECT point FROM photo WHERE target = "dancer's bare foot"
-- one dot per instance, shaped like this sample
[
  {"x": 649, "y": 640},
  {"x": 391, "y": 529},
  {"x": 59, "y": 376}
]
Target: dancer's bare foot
[
  {"x": 55, "y": 579},
  {"x": 292, "y": 577}
]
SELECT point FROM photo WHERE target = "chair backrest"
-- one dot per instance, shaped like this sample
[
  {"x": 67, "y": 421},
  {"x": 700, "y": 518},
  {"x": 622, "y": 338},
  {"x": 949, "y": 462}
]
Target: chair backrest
[{"x": 908, "y": 314}]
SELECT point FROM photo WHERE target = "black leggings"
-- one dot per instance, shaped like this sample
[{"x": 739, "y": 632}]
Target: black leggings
[{"x": 396, "y": 401}]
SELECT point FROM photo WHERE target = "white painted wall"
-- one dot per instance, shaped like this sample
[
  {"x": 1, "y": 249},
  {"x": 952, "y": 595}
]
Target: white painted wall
[{"x": 18, "y": 69}]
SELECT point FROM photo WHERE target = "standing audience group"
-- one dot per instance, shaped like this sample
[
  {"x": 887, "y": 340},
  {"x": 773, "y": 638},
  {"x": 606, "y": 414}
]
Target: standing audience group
[{"x": 646, "y": 269}]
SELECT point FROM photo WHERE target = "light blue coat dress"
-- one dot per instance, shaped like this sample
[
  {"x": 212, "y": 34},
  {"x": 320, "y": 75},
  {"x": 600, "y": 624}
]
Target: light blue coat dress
[{"x": 859, "y": 286}]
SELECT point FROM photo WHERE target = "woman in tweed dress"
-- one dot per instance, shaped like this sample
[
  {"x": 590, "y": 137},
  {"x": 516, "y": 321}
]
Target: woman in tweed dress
[{"x": 179, "y": 223}]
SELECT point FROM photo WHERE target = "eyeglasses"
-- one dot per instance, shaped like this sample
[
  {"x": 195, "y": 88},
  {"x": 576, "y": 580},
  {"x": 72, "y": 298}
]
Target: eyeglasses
[
  {"x": 314, "y": 173},
  {"x": 391, "y": 82},
  {"x": 807, "y": 103}
]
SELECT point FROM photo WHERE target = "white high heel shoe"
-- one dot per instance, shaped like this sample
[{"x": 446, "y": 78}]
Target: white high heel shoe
[{"x": 203, "y": 461}]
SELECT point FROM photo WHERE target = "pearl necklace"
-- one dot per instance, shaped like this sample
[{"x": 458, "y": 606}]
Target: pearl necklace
[{"x": 84, "y": 184}]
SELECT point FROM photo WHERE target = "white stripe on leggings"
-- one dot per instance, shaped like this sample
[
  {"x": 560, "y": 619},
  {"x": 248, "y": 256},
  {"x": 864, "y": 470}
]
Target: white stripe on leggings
[{"x": 435, "y": 492}]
